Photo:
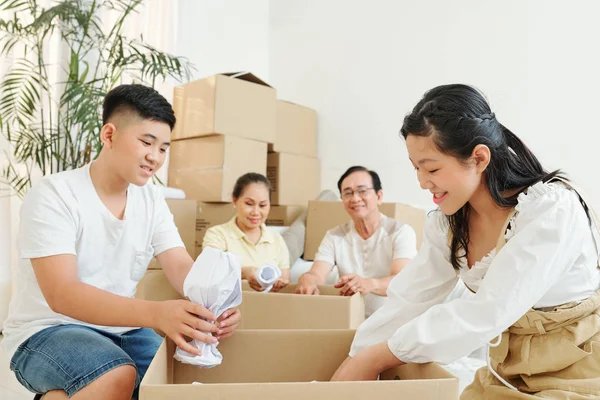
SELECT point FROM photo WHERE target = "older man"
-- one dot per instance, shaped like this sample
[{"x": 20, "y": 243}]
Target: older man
[{"x": 369, "y": 250}]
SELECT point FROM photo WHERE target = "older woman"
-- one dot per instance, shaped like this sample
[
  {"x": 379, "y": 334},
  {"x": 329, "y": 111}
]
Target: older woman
[{"x": 246, "y": 234}]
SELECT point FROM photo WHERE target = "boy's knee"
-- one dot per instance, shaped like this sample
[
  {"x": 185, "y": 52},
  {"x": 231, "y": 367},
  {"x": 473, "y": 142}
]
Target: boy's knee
[
  {"x": 116, "y": 384},
  {"x": 123, "y": 378}
]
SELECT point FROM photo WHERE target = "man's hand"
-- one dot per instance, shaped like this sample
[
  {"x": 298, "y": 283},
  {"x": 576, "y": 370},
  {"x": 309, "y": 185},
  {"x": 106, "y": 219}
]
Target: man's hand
[
  {"x": 352, "y": 283},
  {"x": 177, "y": 318},
  {"x": 308, "y": 284}
]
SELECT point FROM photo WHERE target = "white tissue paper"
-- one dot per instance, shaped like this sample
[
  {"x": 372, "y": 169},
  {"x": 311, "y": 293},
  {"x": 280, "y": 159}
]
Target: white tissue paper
[
  {"x": 267, "y": 275},
  {"x": 215, "y": 281},
  {"x": 171, "y": 193}
]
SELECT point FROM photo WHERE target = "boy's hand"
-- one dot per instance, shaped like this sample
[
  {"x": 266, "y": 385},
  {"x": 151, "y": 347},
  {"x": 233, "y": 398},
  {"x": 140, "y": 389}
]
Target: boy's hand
[
  {"x": 177, "y": 318},
  {"x": 228, "y": 322}
]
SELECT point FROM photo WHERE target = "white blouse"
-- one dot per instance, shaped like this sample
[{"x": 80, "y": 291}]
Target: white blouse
[{"x": 550, "y": 258}]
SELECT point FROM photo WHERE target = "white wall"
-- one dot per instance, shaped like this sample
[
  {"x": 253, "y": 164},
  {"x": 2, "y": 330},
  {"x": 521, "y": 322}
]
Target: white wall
[
  {"x": 363, "y": 66},
  {"x": 224, "y": 36}
]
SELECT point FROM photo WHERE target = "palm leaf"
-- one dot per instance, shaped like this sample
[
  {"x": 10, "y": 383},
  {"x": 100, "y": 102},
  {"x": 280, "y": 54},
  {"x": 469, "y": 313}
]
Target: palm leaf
[{"x": 14, "y": 5}]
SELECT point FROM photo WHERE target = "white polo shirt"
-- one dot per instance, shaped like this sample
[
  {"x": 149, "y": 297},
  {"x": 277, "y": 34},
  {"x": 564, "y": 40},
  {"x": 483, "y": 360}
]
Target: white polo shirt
[{"x": 343, "y": 248}]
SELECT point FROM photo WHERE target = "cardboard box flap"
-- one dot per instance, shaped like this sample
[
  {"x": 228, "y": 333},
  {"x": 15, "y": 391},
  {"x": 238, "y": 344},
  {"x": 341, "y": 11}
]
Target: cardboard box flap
[
  {"x": 246, "y": 76},
  {"x": 160, "y": 371},
  {"x": 291, "y": 289}
]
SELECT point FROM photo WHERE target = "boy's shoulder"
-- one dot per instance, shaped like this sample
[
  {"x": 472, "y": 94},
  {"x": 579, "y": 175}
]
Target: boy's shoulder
[{"x": 59, "y": 185}]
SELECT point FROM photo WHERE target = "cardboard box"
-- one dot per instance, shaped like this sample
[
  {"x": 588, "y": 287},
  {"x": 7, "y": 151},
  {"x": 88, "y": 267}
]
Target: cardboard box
[
  {"x": 155, "y": 286},
  {"x": 296, "y": 130},
  {"x": 269, "y": 365},
  {"x": 283, "y": 310},
  {"x": 207, "y": 168},
  {"x": 184, "y": 212},
  {"x": 284, "y": 215},
  {"x": 198, "y": 251},
  {"x": 295, "y": 179},
  {"x": 233, "y": 104},
  {"x": 211, "y": 214},
  {"x": 326, "y": 215},
  {"x": 287, "y": 310}
]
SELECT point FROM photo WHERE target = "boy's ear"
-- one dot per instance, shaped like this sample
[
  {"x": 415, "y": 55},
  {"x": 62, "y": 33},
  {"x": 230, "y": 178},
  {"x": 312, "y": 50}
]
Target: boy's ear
[{"x": 107, "y": 134}]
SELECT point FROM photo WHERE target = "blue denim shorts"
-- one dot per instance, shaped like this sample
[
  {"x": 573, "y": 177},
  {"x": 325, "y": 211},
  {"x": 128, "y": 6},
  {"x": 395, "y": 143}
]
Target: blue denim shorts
[{"x": 70, "y": 357}]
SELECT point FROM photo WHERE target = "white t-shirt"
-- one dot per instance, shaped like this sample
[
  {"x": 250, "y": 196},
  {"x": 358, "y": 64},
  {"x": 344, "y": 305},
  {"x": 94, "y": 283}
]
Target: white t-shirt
[
  {"x": 550, "y": 258},
  {"x": 371, "y": 258},
  {"x": 63, "y": 214}
]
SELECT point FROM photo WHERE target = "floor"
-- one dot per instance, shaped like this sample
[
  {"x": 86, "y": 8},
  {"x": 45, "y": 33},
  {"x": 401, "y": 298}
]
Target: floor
[{"x": 10, "y": 389}]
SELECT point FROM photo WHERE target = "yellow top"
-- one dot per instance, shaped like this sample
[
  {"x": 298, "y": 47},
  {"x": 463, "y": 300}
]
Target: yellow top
[{"x": 229, "y": 237}]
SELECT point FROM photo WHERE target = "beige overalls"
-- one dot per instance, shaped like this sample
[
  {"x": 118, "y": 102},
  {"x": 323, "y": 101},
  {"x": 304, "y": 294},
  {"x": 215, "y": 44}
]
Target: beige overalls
[{"x": 551, "y": 354}]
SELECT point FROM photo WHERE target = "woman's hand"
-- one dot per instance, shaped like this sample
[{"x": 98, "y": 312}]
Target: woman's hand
[
  {"x": 249, "y": 274},
  {"x": 283, "y": 281},
  {"x": 367, "y": 364}
]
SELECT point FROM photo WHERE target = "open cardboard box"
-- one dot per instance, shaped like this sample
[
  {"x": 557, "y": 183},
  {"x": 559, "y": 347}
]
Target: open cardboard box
[
  {"x": 283, "y": 310},
  {"x": 282, "y": 364}
]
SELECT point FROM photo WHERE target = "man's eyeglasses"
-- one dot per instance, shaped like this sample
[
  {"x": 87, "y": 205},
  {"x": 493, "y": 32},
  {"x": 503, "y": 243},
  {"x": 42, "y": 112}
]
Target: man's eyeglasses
[{"x": 362, "y": 193}]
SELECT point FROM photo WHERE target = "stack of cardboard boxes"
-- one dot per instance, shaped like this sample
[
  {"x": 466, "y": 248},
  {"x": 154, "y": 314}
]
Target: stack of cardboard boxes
[
  {"x": 231, "y": 124},
  {"x": 292, "y": 164},
  {"x": 224, "y": 124}
]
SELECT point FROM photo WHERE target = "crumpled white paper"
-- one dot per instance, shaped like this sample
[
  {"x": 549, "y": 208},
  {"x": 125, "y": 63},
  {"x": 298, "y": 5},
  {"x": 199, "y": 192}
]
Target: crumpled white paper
[
  {"x": 267, "y": 275},
  {"x": 215, "y": 281}
]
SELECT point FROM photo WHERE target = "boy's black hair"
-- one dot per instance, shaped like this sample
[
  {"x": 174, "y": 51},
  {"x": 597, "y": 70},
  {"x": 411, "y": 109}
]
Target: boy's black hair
[{"x": 139, "y": 99}]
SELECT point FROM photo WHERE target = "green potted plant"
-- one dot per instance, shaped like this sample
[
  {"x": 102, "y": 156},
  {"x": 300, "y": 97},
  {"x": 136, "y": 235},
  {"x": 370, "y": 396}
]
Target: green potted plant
[{"x": 54, "y": 125}]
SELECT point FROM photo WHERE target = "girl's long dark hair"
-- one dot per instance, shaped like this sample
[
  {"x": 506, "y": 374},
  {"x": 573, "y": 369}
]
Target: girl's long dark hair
[{"x": 458, "y": 118}]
